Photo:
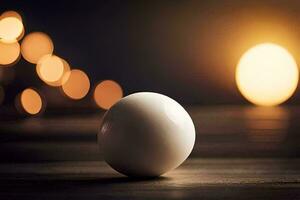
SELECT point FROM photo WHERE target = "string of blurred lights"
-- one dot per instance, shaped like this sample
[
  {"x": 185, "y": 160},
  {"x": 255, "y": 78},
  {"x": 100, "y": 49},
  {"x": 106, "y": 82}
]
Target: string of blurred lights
[
  {"x": 37, "y": 48},
  {"x": 107, "y": 93}
]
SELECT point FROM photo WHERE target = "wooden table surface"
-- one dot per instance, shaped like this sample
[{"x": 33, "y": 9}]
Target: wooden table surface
[
  {"x": 240, "y": 153},
  {"x": 195, "y": 179}
]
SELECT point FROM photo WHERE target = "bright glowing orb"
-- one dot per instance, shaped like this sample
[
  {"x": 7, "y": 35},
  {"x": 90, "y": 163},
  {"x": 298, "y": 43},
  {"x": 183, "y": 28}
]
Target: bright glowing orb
[
  {"x": 14, "y": 14},
  {"x": 50, "y": 68},
  {"x": 10, "y": 29},
  {"x": 267, "y": 75},
  {"x": 64, "y": 77}
]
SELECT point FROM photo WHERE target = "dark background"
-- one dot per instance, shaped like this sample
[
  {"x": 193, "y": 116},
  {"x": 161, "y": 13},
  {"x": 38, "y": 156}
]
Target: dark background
[{"x": 187, "y": 50}]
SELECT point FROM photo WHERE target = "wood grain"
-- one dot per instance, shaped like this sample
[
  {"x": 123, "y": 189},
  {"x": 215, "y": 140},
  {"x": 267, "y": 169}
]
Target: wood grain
[
  {"x": 240, "y": 153},
  {"x": 196, "y": 178}
]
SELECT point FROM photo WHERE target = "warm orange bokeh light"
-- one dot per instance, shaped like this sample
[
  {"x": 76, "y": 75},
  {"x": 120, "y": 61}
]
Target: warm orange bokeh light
[
  {"x": 31, "y": 101},
  {"x": 21, "y": 36},
  {"x": 50, "y": 68},
  {"x": 36, "y": 45},
  {"x": 9, "y": 53},
  {"x": 78, "y": 84},
  {"x": 15, "y": 14},
  {"x": 65, "y": 76},
  {"x": 267, "y": 75},
  {"x": 11, "y": 13},
  {"x": 107, "y": 93},
  {"x": 11, "y": 28}
]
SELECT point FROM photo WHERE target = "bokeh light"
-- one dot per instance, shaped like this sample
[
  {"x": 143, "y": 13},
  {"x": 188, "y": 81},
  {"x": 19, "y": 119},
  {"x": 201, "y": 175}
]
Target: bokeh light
[
  {"x": 21, "y": 36},
  {"x": 9, "y": 53},
  {"x": 78, "y": 84},
  {"x": 36, "y": 45},
  {"x": 31, "y": 101},
  {"x": 11, "y": 13},
  {"x": 65, "y": 76},
  {"x": 267, "y": 75},
  {"x": 10, "y": 29},
  {"x": 15, "y": 14},
  {"x": 50, "y": 68},
  {"x": 107, "y": 93}
]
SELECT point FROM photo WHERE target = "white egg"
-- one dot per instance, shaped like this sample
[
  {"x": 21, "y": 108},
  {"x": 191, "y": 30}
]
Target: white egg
[{"x": 146, "y": 134}]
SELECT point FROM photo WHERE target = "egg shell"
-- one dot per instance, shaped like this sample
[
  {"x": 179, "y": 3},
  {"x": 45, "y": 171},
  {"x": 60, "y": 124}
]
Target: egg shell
[{"x": 146, "y": 134}]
